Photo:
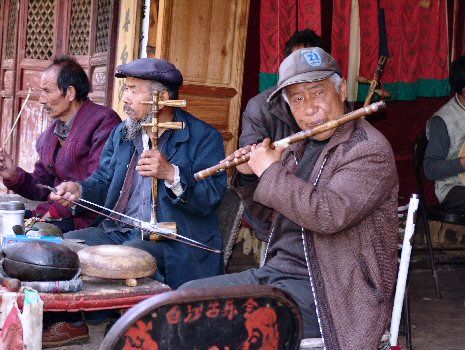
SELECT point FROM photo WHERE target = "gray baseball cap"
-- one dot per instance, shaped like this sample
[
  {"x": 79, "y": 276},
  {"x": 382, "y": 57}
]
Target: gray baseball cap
[{"x": 305, "y": 66}]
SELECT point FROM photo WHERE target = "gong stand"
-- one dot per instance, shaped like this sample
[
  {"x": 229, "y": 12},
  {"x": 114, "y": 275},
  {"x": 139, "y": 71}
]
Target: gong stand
[{"x": 152, "y": 129}]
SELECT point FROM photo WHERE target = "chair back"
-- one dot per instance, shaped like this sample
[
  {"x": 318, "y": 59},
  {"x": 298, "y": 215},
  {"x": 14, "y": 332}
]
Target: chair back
[
  {"x": 419, "y": 149},
  {"x": 230, "y": 216},
  {"x": 239, "y": 317}
]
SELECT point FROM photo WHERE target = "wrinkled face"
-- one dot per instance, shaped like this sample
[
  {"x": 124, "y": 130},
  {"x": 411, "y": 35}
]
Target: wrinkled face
[
  {"x": 135, "y": 92},
  {"x": 315, "y": 103},
  {"x": 54, "y": 103}
]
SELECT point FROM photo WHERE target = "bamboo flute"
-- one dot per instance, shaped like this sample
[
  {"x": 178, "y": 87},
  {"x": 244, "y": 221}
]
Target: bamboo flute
[{"x": 302, "y": 135}]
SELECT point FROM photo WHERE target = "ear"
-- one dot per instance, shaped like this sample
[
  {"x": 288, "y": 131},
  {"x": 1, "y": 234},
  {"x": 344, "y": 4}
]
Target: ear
[
  {"x": 164, "y": 95},
  {"x": 343, "y": 90},
  {"x": 70, "y": 93}
]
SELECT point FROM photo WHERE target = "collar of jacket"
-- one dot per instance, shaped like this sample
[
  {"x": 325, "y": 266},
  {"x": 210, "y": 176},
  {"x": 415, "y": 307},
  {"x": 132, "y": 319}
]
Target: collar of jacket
[{"x": 77, "y": 121}]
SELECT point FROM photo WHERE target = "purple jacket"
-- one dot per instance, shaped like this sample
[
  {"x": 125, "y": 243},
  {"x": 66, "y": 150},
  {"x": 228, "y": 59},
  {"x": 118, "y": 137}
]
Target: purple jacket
[{"x": 76, "y": 160}]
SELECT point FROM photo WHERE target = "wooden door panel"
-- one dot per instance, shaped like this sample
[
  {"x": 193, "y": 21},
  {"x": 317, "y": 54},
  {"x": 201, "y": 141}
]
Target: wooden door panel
[
  {"x": 211, "y": 108},
  {"x": 8, "y": 82},
  {"x": 7, "y": 108},
  {"x": 99, "y": 83},
  {"x": 205, "y": 36},
  {"x": 33, "y": 122},
  {"x": 207, "y": 46},
  {"x": 7, "y": 101}
]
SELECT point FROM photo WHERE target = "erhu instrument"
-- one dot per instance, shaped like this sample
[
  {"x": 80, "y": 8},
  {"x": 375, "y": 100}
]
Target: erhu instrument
[
  {"x": 302, "y": 135},
  {"x": 152, "y": 129},
  {"x": 375, "y": 82}
]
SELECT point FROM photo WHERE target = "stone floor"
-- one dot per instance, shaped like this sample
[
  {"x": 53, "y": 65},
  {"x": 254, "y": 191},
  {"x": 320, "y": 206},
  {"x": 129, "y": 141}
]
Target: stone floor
[{"x": 437, "y": 323}]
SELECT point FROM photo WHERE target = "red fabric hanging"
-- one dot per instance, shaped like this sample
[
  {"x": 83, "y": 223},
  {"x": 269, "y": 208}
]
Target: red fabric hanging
[
  {"x": 309, "y": 15},
  {"x": 279, "y": 19},
  {"x": 403, "y": 31},
  {"x": 369, "y": 37},
  {"x": 457, "y": 17},
  {"x": 278, "y": 22},
  {"x": 433, "y": 54},
  {"x": 417, "y": 41},
  {"x": 340, "y": 37}
]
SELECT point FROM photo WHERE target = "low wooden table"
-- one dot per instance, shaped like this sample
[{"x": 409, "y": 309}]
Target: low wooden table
[{"x": 100, "y": 294}]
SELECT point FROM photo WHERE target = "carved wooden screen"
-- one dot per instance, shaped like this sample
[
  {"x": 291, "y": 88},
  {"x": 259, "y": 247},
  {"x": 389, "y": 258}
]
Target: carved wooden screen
[
  {"x": 39, "y": 33},
  {"x": 11, "y": 29},
  {"x": 101, "y": 67},
  {"x": 79, "y": 28},
  {"x": 103, "y": 25}
]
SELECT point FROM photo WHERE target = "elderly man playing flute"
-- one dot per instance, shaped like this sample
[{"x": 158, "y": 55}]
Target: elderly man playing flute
[{"x": 331, "y": 207}]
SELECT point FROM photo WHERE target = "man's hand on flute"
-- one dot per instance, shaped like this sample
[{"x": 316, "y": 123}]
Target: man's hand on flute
[
  {"x": 262, "y": 156},
  {"x": 7, "y": 166},
  {"x": 67, "y": 191},
  {"x": 242, "y": 168}
]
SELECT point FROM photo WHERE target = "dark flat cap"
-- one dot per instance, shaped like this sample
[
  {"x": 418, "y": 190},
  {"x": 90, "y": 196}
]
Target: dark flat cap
[{"x": 151, "y": 69}]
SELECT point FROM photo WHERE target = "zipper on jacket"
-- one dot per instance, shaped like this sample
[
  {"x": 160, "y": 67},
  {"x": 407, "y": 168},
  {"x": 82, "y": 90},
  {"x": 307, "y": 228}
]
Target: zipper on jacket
[
  {"x": 268, "y": 245},
  {"x": 304, "y": 242}
]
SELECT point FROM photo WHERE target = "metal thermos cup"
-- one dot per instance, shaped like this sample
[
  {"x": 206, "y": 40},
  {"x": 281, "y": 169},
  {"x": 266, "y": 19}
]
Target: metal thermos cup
[{"x": 12, "y": 214}]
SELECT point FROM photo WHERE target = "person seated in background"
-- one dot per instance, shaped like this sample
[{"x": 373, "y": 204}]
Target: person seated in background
[
  {"x": 272, "y": 119},
  {"x": 123, "y": 181},
  {"x": 69, "y": 149},
  {"x": 330, "y": 204},
  {"x": 446, "y": 134}
]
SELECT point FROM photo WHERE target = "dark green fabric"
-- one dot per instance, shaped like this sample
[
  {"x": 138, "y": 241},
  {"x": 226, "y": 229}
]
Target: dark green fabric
[
  {"x": 410, "y": 91},
  {"x": 267, "y": 80}
]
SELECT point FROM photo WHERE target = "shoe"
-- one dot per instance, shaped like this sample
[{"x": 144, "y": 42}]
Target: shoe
[{"x": 64, "y": 333}]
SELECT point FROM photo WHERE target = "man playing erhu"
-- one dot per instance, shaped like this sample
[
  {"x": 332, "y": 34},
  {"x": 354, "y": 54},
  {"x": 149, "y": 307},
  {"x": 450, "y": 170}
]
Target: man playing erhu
[
  {"x": 331, "y": 207},
  {"x": 123, "y": 181}
]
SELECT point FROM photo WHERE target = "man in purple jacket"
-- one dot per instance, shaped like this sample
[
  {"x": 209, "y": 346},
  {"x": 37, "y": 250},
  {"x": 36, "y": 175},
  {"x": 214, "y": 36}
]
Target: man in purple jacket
[{"x": 69, "y": 149}]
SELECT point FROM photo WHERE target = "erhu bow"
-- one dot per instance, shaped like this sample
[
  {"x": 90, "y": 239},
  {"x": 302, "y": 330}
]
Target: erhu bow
[
  {"x": 152, "y": 129},
  {"x": 302, "y": 135},
  {"x": 163, "y": 229},
  {"x": 29, "y": 91}
]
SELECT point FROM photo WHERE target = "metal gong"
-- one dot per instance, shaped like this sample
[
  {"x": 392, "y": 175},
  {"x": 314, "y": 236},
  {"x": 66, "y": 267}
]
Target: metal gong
[
  {"x": 39, "y": 261},
  {"x": 116, "y": 262}
]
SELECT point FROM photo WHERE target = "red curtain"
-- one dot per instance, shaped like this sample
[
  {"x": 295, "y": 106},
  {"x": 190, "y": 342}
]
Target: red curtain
[
  {"x": 369, "y": 37},
  {"x": 417, "y": 41},
  {"x": 340, "y": 37},
  {"x": 279, "y": 19}
]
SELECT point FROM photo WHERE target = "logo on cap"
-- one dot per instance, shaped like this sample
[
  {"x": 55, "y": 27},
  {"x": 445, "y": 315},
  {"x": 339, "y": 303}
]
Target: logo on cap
[{"x": 313, "y": 58}]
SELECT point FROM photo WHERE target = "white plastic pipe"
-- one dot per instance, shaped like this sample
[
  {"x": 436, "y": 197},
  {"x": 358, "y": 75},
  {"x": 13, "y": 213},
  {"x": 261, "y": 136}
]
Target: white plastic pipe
[
  {"x": 145, "y": 30},
  {"x": 403, "y": 268}
]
